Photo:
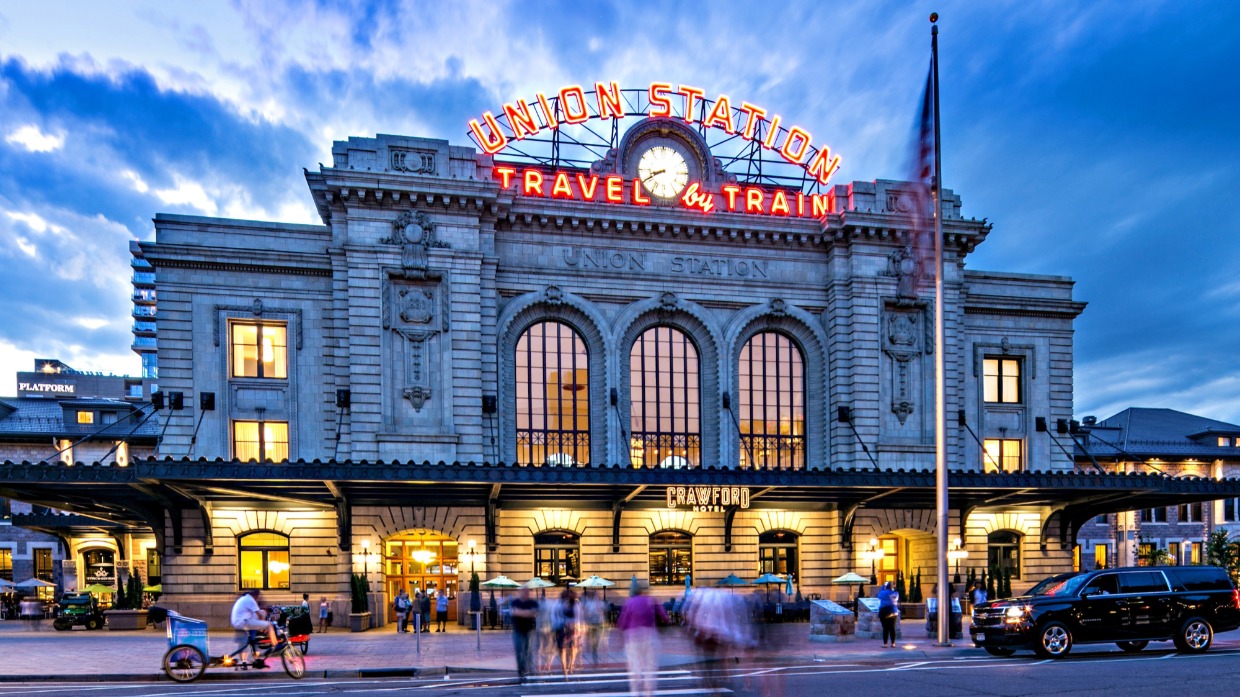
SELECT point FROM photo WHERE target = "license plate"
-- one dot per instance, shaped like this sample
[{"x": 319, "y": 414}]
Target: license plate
[{"x": 979, "y": 638}]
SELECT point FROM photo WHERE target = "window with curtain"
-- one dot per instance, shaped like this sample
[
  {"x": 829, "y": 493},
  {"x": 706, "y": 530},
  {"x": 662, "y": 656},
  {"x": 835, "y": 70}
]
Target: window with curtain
[
  {"x": 261, "y": 441},
  {"x": 1003, "y": 455},
  {"x": 665, "y": 400},
  {"x": 1001, "y": 380},
  {"x": 263, "y": 561},
  {"x": 553, "y": 396},
  {"x": 771, "y": 381},
  {"x": 259, "y": 350}
]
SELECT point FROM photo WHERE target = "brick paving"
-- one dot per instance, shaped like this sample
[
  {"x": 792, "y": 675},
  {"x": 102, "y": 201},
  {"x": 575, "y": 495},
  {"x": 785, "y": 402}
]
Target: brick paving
[{"x": 36, "y": 650}]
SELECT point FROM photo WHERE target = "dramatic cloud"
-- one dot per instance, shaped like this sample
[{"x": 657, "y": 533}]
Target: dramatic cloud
[{"x": 1099, "y": 139}]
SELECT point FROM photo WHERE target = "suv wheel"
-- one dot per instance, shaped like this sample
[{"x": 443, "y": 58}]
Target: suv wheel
[
  {"x": 1054, "y": 641},
  {"x": 1195, "y": 635}
]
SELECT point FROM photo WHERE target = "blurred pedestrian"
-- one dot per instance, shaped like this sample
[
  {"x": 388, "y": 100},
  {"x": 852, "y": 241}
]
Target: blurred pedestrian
[
  {"x": 979, "y": 594},
  {"x": 720, "y": 624},
  {"x": 593, "y": 612},
  {"x": 424, "y": 609},
  {"x": 567, "y": 630},
  {"x": 888, "y": 613},
  {"x": 524, "y": 622},
  {"x": 441, "y": 611},
  {"x": 639, "y": 627},
  {"x": 324, "y": 609},
  {"x": 402, "y": 606}
]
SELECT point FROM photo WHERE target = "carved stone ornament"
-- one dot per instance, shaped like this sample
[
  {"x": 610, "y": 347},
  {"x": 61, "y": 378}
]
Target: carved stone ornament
[
  {"x": 902, "y": 410},
  {"x": 779, "y": 307},
  {"x": 417, "y": 305},
  {"x": 257, "y": 307},
  {"x": 553, "y": 295},
  {"x": 415, "y": 233},
  {"x": 418, "y": 396},
  {"x": 668, "y": 301}
]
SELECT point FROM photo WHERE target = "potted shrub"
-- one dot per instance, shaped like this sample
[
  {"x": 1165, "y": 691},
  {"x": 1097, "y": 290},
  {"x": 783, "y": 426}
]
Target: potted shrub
[
  {"x": 127, "y": 612},
  {"x": 359, "y": 618}
]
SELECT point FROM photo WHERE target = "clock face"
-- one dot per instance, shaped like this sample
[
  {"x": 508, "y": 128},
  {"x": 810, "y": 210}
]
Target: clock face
[{"x": 663, "y": 171}]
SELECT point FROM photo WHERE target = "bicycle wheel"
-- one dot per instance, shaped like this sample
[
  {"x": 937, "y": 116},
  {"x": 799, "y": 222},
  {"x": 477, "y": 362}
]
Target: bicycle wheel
[
  {"x": 184, "y": 663},
  {"x": 294, "y": 662}
]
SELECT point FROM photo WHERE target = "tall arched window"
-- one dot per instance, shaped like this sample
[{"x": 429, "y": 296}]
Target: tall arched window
[
  {"x": 777, "y": 553},
  {"x": 263, "y": 560},
  {"x": 557, "y": 556},
  {"x": 771, "y": 373},
  {"x": 671, "y": 557},
  {"x": 1003, "y": 551},
  {"x": 665, "y": 399},
  {"x": 553, "y": 396}
]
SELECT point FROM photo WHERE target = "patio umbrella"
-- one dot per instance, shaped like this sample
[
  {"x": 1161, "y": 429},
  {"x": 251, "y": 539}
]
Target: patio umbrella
[
  {"x": 98, "y": 589},
  {"x": 34, "y": 583},
  {"x": 538, "y": 583},
  {"x": 732, "y": 580},
  {"x": 849, "y": 579},
  {"x": 596, "y": 582},
  {"x": 788, "y": 589},
  {"x": 157, "y": 589},
  {"x": 688, "y": 584},
  {"x": 502, "y": 582},
  {"x": 767, "y": 580},
  {"x": 5, "y": 586},
  {"x": 633, "y": 585}
]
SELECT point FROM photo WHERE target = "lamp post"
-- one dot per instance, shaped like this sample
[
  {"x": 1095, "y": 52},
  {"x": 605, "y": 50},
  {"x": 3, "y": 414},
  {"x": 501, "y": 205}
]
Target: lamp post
[
  {"x": 365, "y": 558},
  {"x": 873, "y": 554},
  {"x": 956, "y": 553}
]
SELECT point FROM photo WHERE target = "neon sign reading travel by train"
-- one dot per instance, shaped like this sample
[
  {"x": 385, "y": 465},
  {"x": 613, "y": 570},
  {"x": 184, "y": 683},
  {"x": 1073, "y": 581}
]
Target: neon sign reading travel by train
[
  {"x": 590, "y": 187},
  {"x": 573, "y": 104}
]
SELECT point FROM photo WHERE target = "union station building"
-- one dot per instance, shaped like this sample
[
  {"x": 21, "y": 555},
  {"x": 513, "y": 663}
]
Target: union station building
[{"x": 477, "y": 364}]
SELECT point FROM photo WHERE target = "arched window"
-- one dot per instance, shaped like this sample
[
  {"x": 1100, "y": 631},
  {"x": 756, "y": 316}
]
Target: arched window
[
  {"x": 1003, "y": 551},
  {"x": 263, "y": 561},
  {"x": 557, "y": 556},
  {"x": 665, "y": 399},
  {"x": 553, "y": 396},
  {"x": 772, "y": 402},
  {"x": 671, "y": 557},
  {"x": 777, "y": 553}
]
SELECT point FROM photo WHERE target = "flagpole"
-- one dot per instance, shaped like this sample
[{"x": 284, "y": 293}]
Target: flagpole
[{"x": 940, "y": 356}]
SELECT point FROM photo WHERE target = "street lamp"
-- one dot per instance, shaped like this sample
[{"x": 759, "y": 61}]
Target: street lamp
[
  {"x": 472, "y": 554},
  {"x": 365, "y": 557},
  {"x": 873, "y": 554},
  {"x": 956, "y": 553}
]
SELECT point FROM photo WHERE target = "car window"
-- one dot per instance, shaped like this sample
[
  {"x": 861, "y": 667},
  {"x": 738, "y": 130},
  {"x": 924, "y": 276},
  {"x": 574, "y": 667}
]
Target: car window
[
  {"x": 1142, "y": 582},
  {"x": 1101, "y": 585},
  {"x": 1202, "y": 579},
  {"x": 1063, "y": 584}
]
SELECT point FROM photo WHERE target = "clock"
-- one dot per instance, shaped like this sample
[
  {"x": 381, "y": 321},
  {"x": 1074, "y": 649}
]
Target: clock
[{"x": 663, "y": 170}]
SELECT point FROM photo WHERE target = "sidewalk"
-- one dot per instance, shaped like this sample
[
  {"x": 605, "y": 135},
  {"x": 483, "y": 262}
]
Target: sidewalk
[{"x": 104, "y": 655}]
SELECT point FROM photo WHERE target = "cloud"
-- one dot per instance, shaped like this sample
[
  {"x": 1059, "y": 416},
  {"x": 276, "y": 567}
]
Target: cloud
[{"x": 34, "y": 140}]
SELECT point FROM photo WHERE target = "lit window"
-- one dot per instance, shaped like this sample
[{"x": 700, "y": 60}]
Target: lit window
[
  {"x": 1003, "y": 551},
  {"x": 262, "y": 441},
  {"x": 1001, "y": 380},
  {"x": 557, "y": 556},
  {"x": 1194, "y": 553},
  {"x": 1101, "y": 554},
  {"x": 777, "y": 553},
  {"x": 43, "y": 565},
  {"x": 671, "y": 558},
  {"x": 1173, "y": 550},
  {"x": 1224, "y": 442},
  {"x": 771, "y": 375},
  {"x": 154, "y": 570},
  {"x": 259, "y": 350},
  {"x": 553, "y": 396},
  {"x": 664, "y": 393},
  {"x": 86, "y": 417},
  {"x": 6, "y": 564},
  {"x": 263, "y": 561},
  {"x": 1002, "y": 455}
]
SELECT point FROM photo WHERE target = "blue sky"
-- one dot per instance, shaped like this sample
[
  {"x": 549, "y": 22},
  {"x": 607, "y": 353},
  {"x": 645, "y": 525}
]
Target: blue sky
[{"x": 1100, "y": 138}]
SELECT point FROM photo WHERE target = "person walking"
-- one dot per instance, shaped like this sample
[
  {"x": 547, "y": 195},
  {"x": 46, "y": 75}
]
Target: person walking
[
  {"x": 524, "y": 621},
  {"x": 888, "y": 613},
  {"x": 979, "y": 594},
  {"x": 324, "y": 610},
  {"x": 424, "y": 609},
  {"x": 592, "y": 612},
  {"x": 639, "y": 627},
  {"x": 441, "y": 611},
  {"x": 402, "y": 605},
  {"x": 567, "y": 617}
]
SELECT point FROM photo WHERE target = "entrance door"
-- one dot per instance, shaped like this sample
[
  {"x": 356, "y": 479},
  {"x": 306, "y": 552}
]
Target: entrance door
[
  {"x": 889, "y": 565},
  {"x": 421, "y": 561}
]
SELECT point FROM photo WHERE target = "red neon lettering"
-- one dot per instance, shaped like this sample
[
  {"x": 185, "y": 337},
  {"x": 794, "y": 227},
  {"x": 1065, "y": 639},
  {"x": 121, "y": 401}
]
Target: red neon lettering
[
  {"x": 495, "y": 141},
  {"x": 796, "y": 134},
  {"x": 615, "y": 190},
  {"x": 560, "y": 188},
  {"x": 587, "y": 192},
  {"x": 721, "y": 113},
  {"x": 505, "y": 176},
  {"x": 571, "y": 116},
  {"x": 694, "y": 198},
  {"x": 690, "y": 93},
  {"x": 638, "y": 197},
  {"x": 660, "y": 105},
  {"x": 731, "y": 190},
  {"x": 822, "y": 165},
  {"x": 520, "y": 119},
  {"x": 552, "y": 122},
  {"x": 753, "y": 115},
  {"x": 753, "y": 200},
  {"x": 772, "y": 134},
  {"x": 608, "y": 101},
  {"x": 533, "y": 182},
  {"x": 819, "y": 203},
  {"x": 779, "y": 204},
  {"x": 800, "y": 203}
]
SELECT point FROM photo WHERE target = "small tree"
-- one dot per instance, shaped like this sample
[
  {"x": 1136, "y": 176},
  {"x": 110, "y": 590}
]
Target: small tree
[
  {"x": 900, "y": 585},
  {"x": 914, "y": 593},
  {"x": 359, "y": 592},
  {"x": 992, "y": 584},
  {"x": 1220, "y": 551},
  {"x": 133, "y": 593},
  {"x": 1007, "y": 582},
  {"x": 119, "y": 601}
]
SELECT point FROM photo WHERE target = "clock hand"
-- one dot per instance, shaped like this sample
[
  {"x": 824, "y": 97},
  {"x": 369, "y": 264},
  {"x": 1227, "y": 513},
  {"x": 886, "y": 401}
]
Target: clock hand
[{"x": 658, "y": 172}]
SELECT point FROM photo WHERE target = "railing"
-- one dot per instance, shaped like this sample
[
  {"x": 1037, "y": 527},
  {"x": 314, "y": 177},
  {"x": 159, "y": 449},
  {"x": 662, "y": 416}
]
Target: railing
[
  {"x": 144, "y": 277},
  {"x": 555, "y": 448},
  {"x": 143, "y": 311},
  {"x": 144, "y": 341},
  {"x": 772, "y": 452},
  {"x": 144, "y": 327}
]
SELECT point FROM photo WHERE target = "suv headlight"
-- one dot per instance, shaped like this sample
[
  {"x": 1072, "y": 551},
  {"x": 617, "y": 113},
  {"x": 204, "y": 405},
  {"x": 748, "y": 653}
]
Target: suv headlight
[{"x": 1016, "y": 613}]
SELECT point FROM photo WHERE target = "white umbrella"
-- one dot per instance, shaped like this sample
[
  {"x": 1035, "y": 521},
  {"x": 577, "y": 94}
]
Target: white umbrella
[
  {"x": 852, "y": 578},
  {"x": 34, "y": 583},
  {"x": 501, "y": 582},
  {"x": 596, "y": 582}
]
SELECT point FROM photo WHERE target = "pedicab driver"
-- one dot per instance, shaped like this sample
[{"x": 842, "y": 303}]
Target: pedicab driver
[{"x": 247, "y": 616}]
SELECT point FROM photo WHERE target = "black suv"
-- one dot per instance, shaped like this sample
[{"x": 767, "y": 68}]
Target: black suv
[{"x": 1129, "y": 606}]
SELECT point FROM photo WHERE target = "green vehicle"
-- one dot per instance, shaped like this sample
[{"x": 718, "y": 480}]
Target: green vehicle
[{"x": 78, "y": 609}]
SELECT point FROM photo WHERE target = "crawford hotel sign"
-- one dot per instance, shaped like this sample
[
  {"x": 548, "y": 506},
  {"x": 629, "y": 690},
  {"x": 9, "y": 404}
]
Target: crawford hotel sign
[{"x": 666, "y": 170}]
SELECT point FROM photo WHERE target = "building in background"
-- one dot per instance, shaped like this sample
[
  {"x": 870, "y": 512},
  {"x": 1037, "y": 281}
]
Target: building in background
[{"x": 144, "y": 334}]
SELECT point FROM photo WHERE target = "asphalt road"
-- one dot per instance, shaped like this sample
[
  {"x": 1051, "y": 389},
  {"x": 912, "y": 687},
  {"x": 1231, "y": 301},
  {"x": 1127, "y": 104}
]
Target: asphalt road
[{"x": 1160, "y": 673}]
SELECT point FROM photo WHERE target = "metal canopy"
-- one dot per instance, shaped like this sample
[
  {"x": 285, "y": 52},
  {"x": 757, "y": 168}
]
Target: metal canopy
[{"x": 140, "y": 494}]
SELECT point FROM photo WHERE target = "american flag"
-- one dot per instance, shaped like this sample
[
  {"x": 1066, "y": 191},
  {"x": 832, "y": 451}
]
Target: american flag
[{"x": 921, "y": 175}]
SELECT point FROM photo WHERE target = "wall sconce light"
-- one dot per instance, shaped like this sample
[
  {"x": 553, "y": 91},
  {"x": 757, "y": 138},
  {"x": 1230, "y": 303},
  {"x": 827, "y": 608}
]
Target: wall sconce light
[
  {"x": 873, "y": 554},
  {"x": 956, "y": 553}
]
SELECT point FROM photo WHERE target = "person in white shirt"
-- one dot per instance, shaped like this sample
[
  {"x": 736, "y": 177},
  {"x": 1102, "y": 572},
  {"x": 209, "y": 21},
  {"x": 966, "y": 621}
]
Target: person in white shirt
[{"x": 247, "y": 616}]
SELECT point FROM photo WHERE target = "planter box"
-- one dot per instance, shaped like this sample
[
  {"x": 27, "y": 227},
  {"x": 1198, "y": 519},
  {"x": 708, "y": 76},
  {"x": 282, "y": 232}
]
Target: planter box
[
  {"x": 913, "y": 611},
  {"x": 359, "y": 621},
  {"x": 126, "y": 619}
]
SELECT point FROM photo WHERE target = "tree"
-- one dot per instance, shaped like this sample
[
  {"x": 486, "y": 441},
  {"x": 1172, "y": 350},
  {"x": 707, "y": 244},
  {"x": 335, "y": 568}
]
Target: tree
[
  {"x": 1007, "y": 582},
  {"x": 1150, "y": 554},
  {"x": 992, "y": 583},
  {"x": 1221, "y": 551},
  {"x": 119, "y": 601},
  {"x": 358, "y": 592},
  {"x": 900, "y": 586}
]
